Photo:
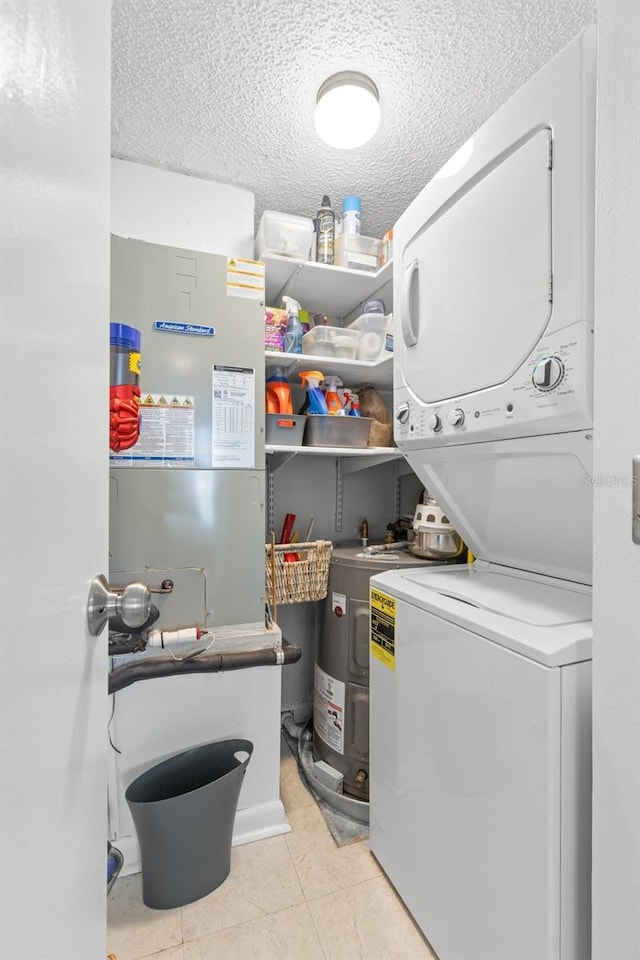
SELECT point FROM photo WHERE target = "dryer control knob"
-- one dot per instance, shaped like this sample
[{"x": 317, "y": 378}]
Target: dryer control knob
[
  {"x": 402, "y": 413},
  {"x": 434, "y": 423},
  {"x": 455, "y": 417},
  {"x": 547, "y": 373}
]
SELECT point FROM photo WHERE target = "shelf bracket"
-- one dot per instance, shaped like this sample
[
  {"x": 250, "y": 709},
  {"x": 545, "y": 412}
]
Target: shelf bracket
[
  {"x": 277, "y": 460},
  {"x": 354, "y": 464},
  {"x": 339, "y": 494}
]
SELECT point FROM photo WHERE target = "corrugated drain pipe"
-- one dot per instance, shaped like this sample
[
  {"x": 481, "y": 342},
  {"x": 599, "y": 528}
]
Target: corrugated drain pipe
[
  {"x": 129, "y": 673},
  {"x": 298, "y": 731}
]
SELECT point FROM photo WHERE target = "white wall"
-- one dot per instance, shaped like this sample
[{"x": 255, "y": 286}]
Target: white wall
[
  {"x": 151, "y": 204},
  {"x": 160, "y": 207},
  {"x": 616, "y": 654}
]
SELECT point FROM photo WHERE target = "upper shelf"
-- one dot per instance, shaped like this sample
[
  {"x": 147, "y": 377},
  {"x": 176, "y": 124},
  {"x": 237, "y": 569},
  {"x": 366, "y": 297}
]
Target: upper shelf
[
  {"x": 321, "y": 288},
  {"x": 353, "y": 373}
]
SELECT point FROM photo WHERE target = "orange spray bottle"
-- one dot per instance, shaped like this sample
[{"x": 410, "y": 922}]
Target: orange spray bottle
[{"x": 334, "y": 404}]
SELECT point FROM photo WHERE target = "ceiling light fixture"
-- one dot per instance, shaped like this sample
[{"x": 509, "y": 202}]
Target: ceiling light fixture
[{"x": 347, "y": 110}]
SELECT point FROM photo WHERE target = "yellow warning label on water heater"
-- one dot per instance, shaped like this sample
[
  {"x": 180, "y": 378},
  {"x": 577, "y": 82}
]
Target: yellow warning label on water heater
[{"x": 383, "y": 628}]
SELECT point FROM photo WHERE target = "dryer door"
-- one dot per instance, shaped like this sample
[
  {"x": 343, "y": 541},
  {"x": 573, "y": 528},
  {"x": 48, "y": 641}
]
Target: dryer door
[{"x": 475, "y": 296}]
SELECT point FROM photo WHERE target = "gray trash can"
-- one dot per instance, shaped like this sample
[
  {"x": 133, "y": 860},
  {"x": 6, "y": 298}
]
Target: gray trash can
[{"x": 183, "y": 810}]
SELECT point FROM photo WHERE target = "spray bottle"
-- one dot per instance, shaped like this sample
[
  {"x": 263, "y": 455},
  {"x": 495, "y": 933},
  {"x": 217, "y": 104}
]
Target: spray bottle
[
  {"x": 315, "y": 402},
  {"x": 351, "y": 398},
  {"x": 293, "y": 333},
  {"x": 334, "y": 405},
  {"x": 326, "y": 232},
  {"x": 351, "y": 214}
]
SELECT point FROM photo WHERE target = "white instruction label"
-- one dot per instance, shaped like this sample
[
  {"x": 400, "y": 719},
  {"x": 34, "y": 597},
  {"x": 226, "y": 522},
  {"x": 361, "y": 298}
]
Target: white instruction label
[
  {"x": 328, "y": 710},
  {"x": 233, "y": 417},
  {"x": 166, "y": 433}
]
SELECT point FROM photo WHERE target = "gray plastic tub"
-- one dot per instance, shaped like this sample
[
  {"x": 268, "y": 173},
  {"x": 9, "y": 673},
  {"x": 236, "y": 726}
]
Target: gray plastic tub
[
  {"x": 286, "y": 429},
  {"x": 183, "y": 810}
]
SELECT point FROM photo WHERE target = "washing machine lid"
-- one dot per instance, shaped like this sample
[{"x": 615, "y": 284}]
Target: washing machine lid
[{"x": 541, "y": 618}]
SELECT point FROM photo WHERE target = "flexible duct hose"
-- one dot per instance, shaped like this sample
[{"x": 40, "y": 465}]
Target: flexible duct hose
[
  {"x": 298, "y": 731},
  {"x": 129, "y": 673}
]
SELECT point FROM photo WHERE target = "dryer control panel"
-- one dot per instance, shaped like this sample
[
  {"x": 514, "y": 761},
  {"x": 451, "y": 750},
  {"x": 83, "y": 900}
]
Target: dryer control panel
[{"x": 550, "y": 393}]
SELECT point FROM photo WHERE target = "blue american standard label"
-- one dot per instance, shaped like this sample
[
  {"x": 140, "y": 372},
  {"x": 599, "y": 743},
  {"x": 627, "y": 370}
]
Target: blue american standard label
[{"x": 194, "y": 329}]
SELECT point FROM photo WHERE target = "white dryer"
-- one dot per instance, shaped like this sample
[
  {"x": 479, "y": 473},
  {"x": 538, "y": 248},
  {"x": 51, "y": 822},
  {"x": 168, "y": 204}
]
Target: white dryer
[
  {"x": 480, "y": 800},
  {"x": 493, "y": 288}
]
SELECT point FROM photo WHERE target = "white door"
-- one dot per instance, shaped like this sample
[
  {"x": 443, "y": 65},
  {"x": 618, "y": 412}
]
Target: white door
[
  {"x": 55, "y": 99},
  {"x": 616, "y": 570}
]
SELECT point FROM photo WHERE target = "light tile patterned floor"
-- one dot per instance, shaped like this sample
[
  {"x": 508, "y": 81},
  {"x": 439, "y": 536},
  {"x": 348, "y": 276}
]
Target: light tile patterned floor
[{"x": 293, "y": 897}]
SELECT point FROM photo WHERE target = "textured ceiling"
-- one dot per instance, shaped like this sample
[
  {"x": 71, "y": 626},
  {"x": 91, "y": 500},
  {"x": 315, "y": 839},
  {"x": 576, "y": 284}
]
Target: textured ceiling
[{"x": 226, "y": 90}]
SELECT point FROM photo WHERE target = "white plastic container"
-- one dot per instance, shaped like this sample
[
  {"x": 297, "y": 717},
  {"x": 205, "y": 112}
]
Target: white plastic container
[
  {"x": 325, "y": 341},
  {"x": 285, "y": 235},
  {"x": 357, "y": 252},
  {"x": 372, "y": 328}
]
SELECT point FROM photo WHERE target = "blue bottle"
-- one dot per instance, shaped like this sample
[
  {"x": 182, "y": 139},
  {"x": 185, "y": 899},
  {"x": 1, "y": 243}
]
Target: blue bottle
[{"x": 293, "y": 333}]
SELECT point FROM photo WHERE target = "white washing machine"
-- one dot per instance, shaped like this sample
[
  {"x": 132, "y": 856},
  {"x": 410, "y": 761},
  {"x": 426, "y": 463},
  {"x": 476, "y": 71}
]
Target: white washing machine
[
  {"x": 480, "y": 772},
  {"x": 480, "y": 800}
]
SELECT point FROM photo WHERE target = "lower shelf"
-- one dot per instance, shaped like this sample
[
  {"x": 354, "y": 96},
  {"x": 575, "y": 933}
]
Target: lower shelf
[
  {"x": 352, "y": 458},
  {"x": 390, "y": 452}
]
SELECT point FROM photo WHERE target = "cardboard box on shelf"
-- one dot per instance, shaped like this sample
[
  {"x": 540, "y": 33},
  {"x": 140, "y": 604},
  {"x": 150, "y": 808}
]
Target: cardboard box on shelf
[{"x": 275, "y": 324}]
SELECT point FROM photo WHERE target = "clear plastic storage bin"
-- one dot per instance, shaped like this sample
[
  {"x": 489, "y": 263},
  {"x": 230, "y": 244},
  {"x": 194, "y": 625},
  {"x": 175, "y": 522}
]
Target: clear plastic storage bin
[
  {"x": 325, "y": 341},
  {"x": 357, "y": 252},
  {"x": 285, "y": 235},
  {"x": 372, "y": 328}
]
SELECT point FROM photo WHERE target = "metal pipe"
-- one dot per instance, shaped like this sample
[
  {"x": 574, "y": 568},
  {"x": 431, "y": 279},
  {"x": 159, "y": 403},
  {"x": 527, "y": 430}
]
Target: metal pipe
[
  {"x": 395, "y": 545},
  {"x": 129, "y": 673}
]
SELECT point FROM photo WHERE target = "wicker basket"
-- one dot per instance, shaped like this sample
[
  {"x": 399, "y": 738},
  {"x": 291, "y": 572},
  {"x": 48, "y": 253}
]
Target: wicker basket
[{"x": 297, "y": 581}]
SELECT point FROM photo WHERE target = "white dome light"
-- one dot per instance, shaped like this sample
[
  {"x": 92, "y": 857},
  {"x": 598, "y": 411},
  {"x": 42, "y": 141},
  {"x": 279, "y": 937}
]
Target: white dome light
[{"x": 347, "y": 112}]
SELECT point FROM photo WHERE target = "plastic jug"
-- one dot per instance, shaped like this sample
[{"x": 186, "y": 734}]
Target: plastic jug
[{"x": 278, "y": 393}]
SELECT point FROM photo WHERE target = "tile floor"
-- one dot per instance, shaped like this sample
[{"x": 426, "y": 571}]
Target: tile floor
[{"x": 292, "y": 897}]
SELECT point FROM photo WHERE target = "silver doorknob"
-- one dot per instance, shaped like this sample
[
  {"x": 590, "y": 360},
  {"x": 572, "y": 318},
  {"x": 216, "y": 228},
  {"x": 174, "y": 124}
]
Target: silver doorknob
[{"x": 131, "y": 603}]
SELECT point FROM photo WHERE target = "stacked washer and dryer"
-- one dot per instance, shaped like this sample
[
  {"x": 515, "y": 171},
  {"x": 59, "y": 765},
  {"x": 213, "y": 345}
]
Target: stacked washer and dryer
[{"x": 480, "y": 680}]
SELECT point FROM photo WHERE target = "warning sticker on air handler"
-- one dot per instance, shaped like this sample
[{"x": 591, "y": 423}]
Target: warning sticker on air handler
[{"x": 383, "y": 628}]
